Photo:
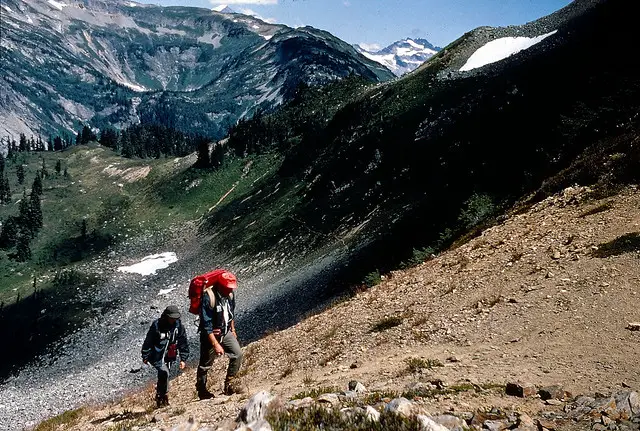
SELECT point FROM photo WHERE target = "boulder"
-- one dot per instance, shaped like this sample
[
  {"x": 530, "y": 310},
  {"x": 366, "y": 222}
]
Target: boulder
[
  {"x": 427, "y": 424},
  {"x": 496, "y": 425},
  {"x": 627, "y": 405},
  {"x": 520, "y": 389},
  {"x": 633, "y": 326},
  {"x": 372, "y": 414},
  {"x": 400, "y": 406},
  {"x": 331, "y": 399},
  {"x": 256, "y": 407},
  {"x": 451, "y": 422},
  {"x": 357, "y": 387},
  {"x": 259, "y": 425},
  {"x": 553, "y": 393},
  {"x": 304, "y": 402}
]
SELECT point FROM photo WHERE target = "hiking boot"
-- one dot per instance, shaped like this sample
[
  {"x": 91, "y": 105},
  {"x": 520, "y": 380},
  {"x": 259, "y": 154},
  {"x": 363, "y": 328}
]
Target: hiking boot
[
  {"x": 233, "y": 386},
  {"x": 162, "y": 401},
  {"x": 205, "y": 395}
]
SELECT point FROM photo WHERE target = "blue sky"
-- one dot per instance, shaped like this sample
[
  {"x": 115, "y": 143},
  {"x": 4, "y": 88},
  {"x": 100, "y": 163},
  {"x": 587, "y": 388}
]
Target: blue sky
[{"x": 382, "y": 22}]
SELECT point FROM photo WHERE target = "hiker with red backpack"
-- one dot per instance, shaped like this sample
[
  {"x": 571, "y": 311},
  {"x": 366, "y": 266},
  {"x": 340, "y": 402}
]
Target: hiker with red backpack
[
  {"x": 212, "y": 297},
  {"x": 165, "y": 341}
]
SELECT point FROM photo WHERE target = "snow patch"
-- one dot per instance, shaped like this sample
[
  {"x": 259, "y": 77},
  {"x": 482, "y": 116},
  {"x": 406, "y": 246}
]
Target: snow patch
[
  {"x": 500, "y": 49},
  {"x": 166, "y": 291},
  {"x": 7, "y": 8},
  {"x": 415, "y": 44},
  {"x": 150, "y": 264},
  {"x": 132, "y": 4},
  {"x": 56, "y": 4},
  {"x": 267, "y": 37}
]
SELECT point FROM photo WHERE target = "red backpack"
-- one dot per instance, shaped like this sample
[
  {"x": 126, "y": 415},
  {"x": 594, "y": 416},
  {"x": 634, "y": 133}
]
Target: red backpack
[{"x": 198, "y": 286}]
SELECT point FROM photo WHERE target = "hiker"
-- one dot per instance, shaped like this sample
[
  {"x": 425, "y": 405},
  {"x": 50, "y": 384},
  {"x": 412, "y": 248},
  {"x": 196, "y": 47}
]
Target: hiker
[
  {"x": 165, "y": 339},
  {"x": 218, "y": 334}
]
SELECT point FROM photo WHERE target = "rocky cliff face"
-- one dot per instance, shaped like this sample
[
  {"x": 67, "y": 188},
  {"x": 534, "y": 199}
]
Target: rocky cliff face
[{"x": 105, "y": 63}]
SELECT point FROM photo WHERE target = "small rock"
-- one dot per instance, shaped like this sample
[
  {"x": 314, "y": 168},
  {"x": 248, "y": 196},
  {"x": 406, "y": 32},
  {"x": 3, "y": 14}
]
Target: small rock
[
  {"x": 356, "y": 364},
  {"x": 553, "y": 392},
  {"x": 357, "y": 387},
  {"x": 452, "y": 359},
  {"x": 525, "y": 421},
  {"x": 331, "y": 399},
  {"x": 556, "y": 255},
  {"x": 553, "y": 402},
  {"x": 495, "y": 425},
  {"x": 633, "y": 326},
  {"x": 520, "y": 389},
  {"x": 304, "y": 402},
  {"x": 159, "y": 417}
]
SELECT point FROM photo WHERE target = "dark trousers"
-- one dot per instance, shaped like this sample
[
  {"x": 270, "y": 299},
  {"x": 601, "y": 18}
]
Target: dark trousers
[
  {"x": 208, "y": 354},
  {"x": 163, "y": 378}
]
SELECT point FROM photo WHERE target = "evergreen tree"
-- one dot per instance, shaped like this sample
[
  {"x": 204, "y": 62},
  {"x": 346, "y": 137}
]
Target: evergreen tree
[
  {"x": 35, "y": 211},
  {"x": 23, "y": 143},
  {"x": 9, "y": 233},
  {"x": 24, "y": 216},
  {"x": 66, "y": 173},
  {"x": 217, "y": 156},
  {"x": 58, "y": 167},
  {"x": 5, "y": 190},
  {"x": 83, "y": 230},
  {"x": 109, "y": 139},
  {"x": 58, "y": 144},
  {"x": 20, "y": 173},
  {"x": 204, "y": 159},
  {"x": 23, "y": 250},
  {"x": 2, "y": 164},
  {"x": 36, "y": 186}
]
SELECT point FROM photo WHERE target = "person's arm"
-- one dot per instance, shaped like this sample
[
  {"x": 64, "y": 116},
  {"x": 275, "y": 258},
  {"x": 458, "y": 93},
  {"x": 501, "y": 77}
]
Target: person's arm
[
  {"x": 183, "y": 343},
  {"x": 148, "y": 344},
  {"x": 207, "y": 323}
]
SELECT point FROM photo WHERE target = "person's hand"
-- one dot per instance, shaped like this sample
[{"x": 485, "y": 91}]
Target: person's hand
[
  {"x": 144, "y": 361},
  {"x": 219, "y": 349},
  {"x": 182, "y": 365},
  {"x": 217, "y": 332}
]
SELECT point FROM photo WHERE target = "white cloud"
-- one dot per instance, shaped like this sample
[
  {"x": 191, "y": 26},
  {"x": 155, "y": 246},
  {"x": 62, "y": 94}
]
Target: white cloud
[
  {"x": 229, "y": 2},
  {"x": 347, "y": 3},
  {"x": 371, "y": 47}
]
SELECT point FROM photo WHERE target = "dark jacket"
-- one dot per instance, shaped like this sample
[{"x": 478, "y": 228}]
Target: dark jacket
[
  {"x": 159, "y": 335},
  {"x": 213, "y": 317}
]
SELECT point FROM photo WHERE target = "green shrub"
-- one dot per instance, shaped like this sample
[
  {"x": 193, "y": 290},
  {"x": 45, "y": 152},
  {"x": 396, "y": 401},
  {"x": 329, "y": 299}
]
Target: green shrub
[
  {"x": 372, "y": 279},
  {"x": 315, "y": 418},
  {"x": 417, "y": 364},
  {"x": 68, "y": 418},
  {"x": 478, "y": 208}
]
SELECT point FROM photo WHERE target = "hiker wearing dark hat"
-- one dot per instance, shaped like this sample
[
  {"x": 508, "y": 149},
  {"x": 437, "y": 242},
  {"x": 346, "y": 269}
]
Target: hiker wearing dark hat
[
  {"x": 218, "y": 334},
  {"x": 165, "y": 340}
]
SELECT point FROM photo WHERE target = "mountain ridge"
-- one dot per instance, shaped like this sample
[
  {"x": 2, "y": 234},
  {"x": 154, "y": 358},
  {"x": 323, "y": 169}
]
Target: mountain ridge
[
  {"x": 402, "y": 56},
  {"x": 220, "y": 64}
]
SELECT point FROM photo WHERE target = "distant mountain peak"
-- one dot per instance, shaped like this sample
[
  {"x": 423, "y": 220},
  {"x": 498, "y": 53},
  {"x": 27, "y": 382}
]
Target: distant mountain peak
[
  {"x": 223, "y": 8},
  {"x": 402, "y": 56}
]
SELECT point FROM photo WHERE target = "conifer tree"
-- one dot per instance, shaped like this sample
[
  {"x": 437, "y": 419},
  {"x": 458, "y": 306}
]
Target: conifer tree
[
  {"x": 35, "y": 211},
  {"x": 23, "y": 250},
  {"x": 36, "y": 187},
  {"x": 9, "y": 233},
  {"x": 2, "y": 164},
  {"x": 58, "y": 167},
  {"x": 66, "y": 173},
  {"x": 20, "y": 173},
  {"x": 204, "y": 159},
  {"x": 23, "y": 143},
  {"x": 5, "y": 190}
]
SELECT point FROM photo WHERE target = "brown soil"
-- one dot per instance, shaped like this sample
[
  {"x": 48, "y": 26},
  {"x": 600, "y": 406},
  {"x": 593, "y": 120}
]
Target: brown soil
[{"x": 540, "y": 298}]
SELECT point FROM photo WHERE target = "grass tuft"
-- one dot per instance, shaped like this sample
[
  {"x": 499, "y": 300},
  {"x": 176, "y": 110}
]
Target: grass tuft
[{"x": 387, "y": 323}]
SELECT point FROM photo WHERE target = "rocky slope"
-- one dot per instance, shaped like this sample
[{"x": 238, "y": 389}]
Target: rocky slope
[
  {"x": 548, "y": 297},
  {"x": 113, "y": 63}
]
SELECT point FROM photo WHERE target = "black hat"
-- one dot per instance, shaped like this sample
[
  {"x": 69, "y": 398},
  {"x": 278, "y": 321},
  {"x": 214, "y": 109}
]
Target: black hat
[{"x": 172, "y": 312}]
